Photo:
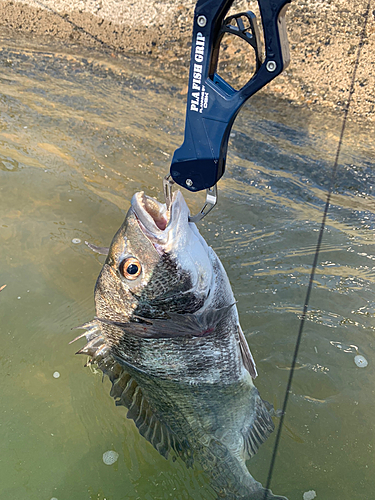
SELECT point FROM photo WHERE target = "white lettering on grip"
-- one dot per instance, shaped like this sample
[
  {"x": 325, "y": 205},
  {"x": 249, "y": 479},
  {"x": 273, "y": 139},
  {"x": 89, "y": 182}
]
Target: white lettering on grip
[{"x": 198, "y": 101}]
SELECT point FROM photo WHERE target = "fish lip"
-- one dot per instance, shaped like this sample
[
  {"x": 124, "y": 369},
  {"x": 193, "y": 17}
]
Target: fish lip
[{"x": 154, "y": 218}]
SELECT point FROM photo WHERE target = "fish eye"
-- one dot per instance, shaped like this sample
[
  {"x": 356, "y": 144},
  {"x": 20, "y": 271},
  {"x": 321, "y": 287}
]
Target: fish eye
[{"x": 130, "y": 268}]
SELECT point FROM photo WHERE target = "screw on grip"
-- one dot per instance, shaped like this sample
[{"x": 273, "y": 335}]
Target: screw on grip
[{"x": 212, "y": 103}]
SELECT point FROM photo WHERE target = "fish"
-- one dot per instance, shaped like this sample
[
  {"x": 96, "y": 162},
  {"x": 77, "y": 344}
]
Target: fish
[{"x": 167, "y": 335}]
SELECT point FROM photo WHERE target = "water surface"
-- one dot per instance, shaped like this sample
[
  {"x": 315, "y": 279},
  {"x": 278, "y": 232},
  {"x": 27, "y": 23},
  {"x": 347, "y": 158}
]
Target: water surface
[{"x": 79, "y": 134}]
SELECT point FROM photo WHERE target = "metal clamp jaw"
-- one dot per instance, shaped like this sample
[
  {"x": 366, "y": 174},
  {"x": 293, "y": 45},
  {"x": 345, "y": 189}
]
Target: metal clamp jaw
[
  {"x": 211, "y": 199},
  {"x": 213, "y": 104}
]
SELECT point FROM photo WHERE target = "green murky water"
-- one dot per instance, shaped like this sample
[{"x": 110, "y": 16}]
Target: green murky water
[{"x": 78, "y": 136}]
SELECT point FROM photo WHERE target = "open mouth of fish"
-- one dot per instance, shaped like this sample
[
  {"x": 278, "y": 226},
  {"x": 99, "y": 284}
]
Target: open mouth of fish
[{"x": 155, "y": 219}]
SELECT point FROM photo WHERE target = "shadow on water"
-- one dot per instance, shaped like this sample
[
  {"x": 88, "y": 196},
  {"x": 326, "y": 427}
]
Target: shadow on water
[{"x": 79, "y": 134}]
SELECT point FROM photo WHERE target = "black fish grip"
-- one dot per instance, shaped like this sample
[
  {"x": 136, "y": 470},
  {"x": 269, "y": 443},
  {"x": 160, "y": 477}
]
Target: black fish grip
[{"x": 212, "y": 103}]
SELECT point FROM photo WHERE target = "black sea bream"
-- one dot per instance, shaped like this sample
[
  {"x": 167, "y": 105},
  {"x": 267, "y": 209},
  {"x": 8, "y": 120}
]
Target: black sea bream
[{"x": 168, "y": 336}]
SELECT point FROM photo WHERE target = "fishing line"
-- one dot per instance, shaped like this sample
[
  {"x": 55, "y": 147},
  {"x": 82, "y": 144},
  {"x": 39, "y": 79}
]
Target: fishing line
[{"x": 316, "y": 255}]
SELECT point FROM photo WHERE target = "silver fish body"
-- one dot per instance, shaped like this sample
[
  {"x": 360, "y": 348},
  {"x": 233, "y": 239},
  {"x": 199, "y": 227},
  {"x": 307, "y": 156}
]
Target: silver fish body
[{"x": 167, "y": 334}]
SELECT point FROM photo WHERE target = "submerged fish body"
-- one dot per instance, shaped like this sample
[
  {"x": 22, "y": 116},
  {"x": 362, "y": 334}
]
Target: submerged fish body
[{"x": 168, "y": 336}]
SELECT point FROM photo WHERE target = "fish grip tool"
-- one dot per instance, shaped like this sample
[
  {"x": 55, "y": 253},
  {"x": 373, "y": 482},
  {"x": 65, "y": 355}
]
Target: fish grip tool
[{"x": 212, "y": 103}]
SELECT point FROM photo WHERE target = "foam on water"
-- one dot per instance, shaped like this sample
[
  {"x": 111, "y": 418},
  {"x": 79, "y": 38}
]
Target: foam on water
[
  {"x": 309, "y": 495},
  {"x": 360, "y": 361},
  {"x": 110, "y": 457}
]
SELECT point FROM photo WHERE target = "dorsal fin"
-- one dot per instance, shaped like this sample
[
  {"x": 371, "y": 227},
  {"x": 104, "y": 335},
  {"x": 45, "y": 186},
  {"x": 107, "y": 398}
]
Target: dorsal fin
[
  {"x": 259, "y": 429},
  {"x": 126, "y": 392}
]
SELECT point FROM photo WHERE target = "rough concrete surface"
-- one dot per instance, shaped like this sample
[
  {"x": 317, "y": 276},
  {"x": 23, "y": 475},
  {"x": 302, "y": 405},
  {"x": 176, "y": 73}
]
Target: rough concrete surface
[{"x": 323, "y": 35}]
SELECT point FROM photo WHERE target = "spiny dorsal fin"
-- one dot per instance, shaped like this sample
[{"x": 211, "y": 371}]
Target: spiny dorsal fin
[
  {"x": 126, "y": 392},
  {"x": 259, "y": 430}
]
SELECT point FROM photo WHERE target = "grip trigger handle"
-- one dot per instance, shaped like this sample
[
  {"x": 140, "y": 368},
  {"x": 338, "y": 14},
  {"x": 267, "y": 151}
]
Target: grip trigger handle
[{"x": 248, "y": 33}]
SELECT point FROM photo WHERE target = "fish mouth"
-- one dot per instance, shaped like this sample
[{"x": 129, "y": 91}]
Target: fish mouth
[{"x": 155, "y": 219}]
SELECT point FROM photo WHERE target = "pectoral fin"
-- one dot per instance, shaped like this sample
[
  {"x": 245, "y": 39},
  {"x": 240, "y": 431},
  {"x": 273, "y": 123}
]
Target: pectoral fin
[{"x": 197, "y": 324}]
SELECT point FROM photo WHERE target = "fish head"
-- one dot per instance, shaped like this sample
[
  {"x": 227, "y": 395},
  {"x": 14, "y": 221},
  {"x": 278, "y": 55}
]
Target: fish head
[{"x": 157, "y": 263}]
